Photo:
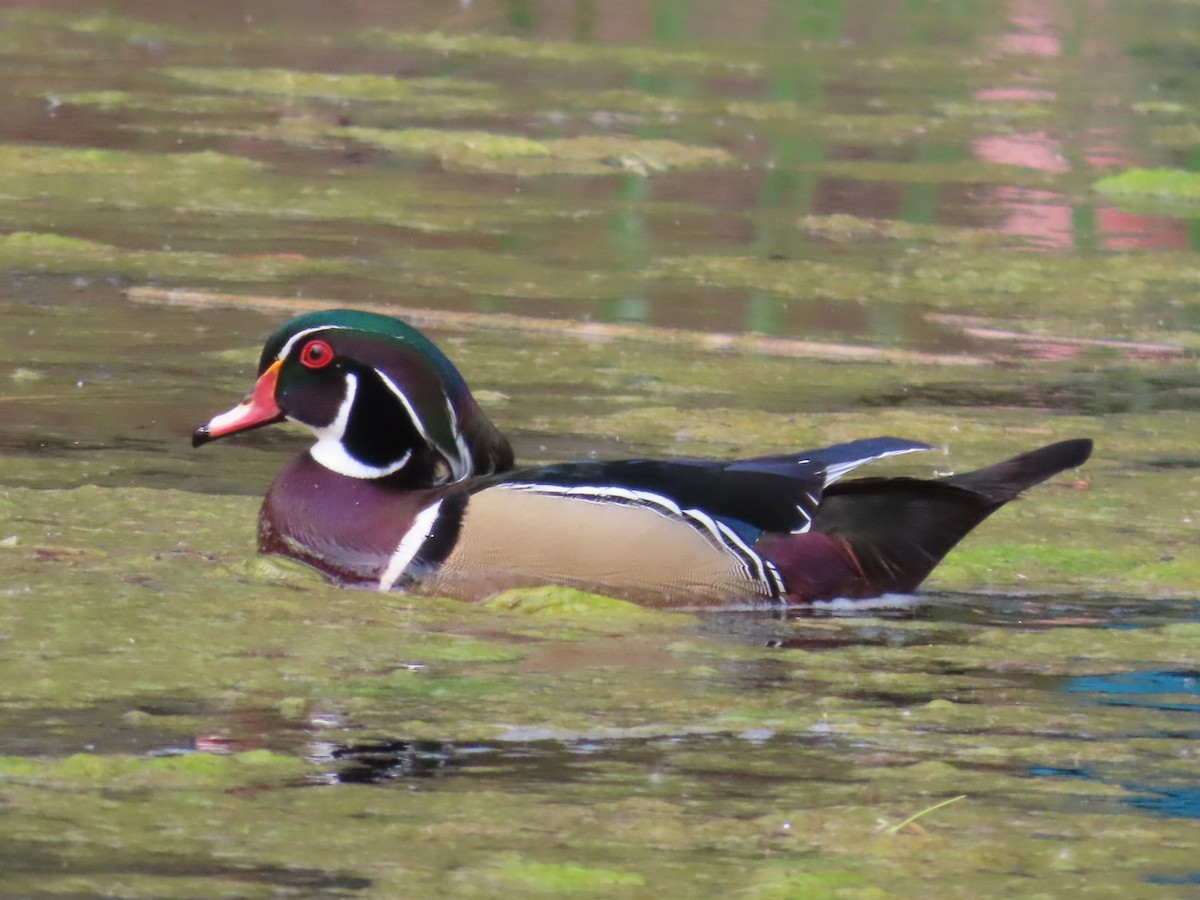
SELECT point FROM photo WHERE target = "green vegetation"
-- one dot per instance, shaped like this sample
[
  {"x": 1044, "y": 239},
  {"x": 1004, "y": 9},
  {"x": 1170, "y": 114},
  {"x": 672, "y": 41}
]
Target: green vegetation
[{"x": 1168, "y": 184}]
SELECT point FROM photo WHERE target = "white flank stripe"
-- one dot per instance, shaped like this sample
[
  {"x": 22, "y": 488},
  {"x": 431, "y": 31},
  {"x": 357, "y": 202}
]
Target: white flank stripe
[
  {"x": 747, "y": 558},
  {"x": 732, "y": 538},
  {"x": 755, "y": 567},
  {"x": 749, "y": 555},
  {"x": 776, "y": 578},
  {"x": 604, "y": 493},
  {"x": 765, "y": 572},
  {"x": 409, "y": 546}
]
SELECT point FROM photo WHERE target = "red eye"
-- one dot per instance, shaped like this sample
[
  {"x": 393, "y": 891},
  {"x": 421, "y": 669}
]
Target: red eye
[{"x": 316, "y": 355}]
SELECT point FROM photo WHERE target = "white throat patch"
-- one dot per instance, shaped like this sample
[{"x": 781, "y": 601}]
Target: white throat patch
[{"x": 330, "y": 452}]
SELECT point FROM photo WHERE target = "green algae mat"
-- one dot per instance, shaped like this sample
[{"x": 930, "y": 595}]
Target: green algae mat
[{"x": 640, "y": 230}]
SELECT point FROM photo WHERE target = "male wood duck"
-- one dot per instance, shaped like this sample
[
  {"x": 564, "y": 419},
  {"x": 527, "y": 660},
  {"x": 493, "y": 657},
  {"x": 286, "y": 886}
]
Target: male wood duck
[{"x": 410, "y": 487}]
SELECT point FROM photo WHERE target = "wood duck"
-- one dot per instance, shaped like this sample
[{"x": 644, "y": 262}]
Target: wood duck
[{"x": 410, "y": 487}]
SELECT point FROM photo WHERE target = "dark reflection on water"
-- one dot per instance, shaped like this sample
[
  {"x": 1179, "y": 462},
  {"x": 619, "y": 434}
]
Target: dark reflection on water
[
  {"x": 1113, "y": 389},
  {"x": 540, "y": 763},
  {"x": 376, "y": 762},
  {"x": 807, "y": 627},
  {"x": 1056, "y": 611},
  {"x": 114, "y": 727},
  {"x": 784, "y": 627},
  {"x": 561, "y": 762},
  {"x": 373, "y": 763},
  {"x": 32, "y": 858}
]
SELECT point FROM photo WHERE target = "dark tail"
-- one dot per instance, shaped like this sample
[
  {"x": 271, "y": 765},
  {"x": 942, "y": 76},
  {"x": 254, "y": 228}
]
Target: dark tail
[{"x": 900, "y": 528}]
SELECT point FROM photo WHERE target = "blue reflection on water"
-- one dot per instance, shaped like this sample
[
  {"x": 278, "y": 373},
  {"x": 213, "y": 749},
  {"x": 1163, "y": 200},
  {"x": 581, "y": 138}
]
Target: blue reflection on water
[
  {"x": 1169, "y": 802},
  {"x": 1158, "y": 690},
  {"x": 1173, "y": 802},
  {"x": 1138, "y": 689},
  {"x": 1191, "y": 878}
]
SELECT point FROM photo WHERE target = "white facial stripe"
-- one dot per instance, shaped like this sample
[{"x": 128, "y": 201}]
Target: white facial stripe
[
  {"x": 457, "y": 470},
  {"x": 409, "y": 546},
  {"x": 460, "y": 462},
  {"x": 330, "y": 452},
  {"x": 337, "y": 428},
  {"x": 460, "y": 468},
  {"x": 404, "y": 401},
  {"x": 287, "y": 348}
]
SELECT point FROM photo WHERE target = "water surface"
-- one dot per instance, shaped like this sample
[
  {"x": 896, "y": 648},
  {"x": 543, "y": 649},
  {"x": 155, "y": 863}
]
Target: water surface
[{"x": 890, "y": 210}]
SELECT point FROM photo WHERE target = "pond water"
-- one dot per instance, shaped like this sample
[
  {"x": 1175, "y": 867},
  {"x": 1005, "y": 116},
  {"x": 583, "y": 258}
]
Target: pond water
[{"x": 643, "y": 227}]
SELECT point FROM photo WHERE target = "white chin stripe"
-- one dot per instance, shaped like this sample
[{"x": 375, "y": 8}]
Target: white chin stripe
[
  {"x": 333, "y": 456},
  {"x": 330, "y": 452},
  {"x": 409, "y": 546}
]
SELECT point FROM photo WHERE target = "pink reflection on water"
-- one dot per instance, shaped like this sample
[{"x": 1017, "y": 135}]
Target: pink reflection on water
[
  {"x": 1015, "y": 95},
  {"x": 1031, "y": 150},
  {"x": 1128, "y": 231},
  {"x": 1045, "y": 219},
  {"x": 1029, "y": 44},
  {"x": 1032, "y": 33},
  {"x": 1103, "y": 149},
  {"x": 1041, "y": 217}
]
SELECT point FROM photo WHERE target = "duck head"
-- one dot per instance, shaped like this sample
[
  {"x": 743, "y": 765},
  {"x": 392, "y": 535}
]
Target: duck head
[{"x": 382, "y": 400}]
